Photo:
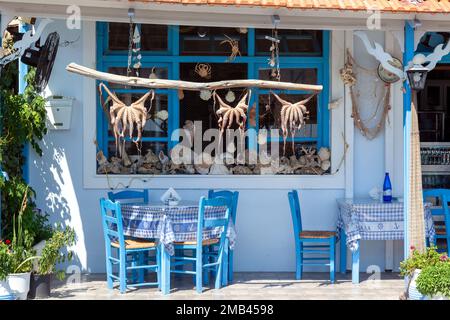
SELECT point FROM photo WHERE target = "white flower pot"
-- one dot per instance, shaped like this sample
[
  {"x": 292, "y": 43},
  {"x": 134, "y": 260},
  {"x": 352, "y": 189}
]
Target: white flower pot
[
  {"x": 16, "y": 286},
  {"x": 413, "y": 293}
]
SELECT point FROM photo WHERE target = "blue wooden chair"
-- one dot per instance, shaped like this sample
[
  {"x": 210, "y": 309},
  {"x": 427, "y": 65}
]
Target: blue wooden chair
[
  {"x": 204, "y": 259},
  {"x": 440, "y": 199},
  {"x": 129, "y": 252},
  {"x": 127, "y": 196},
  {"x": 311, "y": 242},
  {"x": 233, "y": 198}
]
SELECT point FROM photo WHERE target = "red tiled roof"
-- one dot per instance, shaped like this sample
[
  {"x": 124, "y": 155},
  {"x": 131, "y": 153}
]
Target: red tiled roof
[{"x": 400, "y": 6}]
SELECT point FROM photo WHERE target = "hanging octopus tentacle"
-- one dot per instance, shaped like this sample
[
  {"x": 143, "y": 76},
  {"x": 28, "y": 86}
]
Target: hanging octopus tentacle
[
  {"x": 124, "y": 117},
  {"x": 292, "y": 117}
]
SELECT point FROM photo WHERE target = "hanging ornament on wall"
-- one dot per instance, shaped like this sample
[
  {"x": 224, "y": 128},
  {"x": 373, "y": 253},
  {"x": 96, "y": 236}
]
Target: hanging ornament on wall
[
  {"x": 205, "y": 94},
  {"x": 230, "y": 96},
  {"x": 137, "y": 50},
  {"x": 180, "y": 94},
  {"x": 153, "y": 74}
]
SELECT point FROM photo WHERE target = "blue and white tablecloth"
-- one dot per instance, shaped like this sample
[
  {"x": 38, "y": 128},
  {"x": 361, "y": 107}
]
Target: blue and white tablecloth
[
  {"x": 170, "y": 224},
  {"x": 366, "y": 219}
]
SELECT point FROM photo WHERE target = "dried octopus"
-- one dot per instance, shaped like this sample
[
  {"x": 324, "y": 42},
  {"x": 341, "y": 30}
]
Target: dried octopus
[
  {"x": 292, "y": 117},
  {"x": 124, "y": 117},
  {"x": 229, "y": 115}
]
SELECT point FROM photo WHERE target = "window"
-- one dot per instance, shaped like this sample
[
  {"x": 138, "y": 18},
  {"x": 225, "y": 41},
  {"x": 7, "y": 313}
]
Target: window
[{"x": 177, "y": 52}]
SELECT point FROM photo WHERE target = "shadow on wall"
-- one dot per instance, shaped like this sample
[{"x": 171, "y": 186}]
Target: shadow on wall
[{"x": 52, "y": 200}]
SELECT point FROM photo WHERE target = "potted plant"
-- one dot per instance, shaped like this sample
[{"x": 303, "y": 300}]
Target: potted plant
[
  {"x": 434, "y": 281},
  {"x": 49, "y": 256},
  {"x": 16, "y": 261},
  {"x": 412, "y": 267}
]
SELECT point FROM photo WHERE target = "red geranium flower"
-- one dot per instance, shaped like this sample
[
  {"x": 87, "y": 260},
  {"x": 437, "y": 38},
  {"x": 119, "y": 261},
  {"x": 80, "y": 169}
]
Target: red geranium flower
[
  {"x": 413, "y": 248},
  {"x": 8, "y": 242}
]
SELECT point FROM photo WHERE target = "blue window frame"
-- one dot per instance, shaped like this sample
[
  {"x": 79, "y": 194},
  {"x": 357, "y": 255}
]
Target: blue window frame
[{"x": 170, "y": 60}]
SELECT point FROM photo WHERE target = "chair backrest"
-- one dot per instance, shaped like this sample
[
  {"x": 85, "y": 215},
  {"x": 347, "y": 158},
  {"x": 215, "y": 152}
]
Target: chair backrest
[
  {"x": 437, "y": 198},
  {"x": 294, "y": 204},
  {"x": 232, "y": 196},
  {"x": 127, "y": 196},
  {"x": 210, "y": 223},
  {"x": 112, "y": 222}
]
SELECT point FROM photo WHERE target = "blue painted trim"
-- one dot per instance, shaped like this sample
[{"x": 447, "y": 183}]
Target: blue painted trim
[
  {"x": 23, "y": 70},
  {"x": 171, "y": 60},
  {"x": 408, "y": 56}
]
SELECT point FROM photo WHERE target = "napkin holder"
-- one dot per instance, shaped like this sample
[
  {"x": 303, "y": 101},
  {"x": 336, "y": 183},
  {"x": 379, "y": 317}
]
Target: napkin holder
[{"x": 171, "y": 197}]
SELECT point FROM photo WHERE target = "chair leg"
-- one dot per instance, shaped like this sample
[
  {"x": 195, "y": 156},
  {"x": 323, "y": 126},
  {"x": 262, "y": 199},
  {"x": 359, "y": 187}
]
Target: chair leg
[
  {"x": 205, "y": 259},
  {"x": 299, "y": 262},
  {"x": 332, "y": 258},
  {"x": 230, "y": 265},
  {"x": 109, "y": 279},
  {"x": 123, "y": 273},
  {"x": 220, "y": 270},
  {"x": 448, "y": 246},
  {"x": 224, "y": 263},
  {"x": 158, "y": 262},
  {"x": 199, "y": 273}
]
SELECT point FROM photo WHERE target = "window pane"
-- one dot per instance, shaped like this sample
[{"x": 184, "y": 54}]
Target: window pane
[
  {"x": 295, "y": 75},
  {"x": 156, "y": 125},
  {"x": 292, "y": 42},
  {"x": 270, "y": 114},
  {"x": 153, "y": 37},
  {"x": 193, "y": 107},
  {"x": 160, "y": 72},
  {"x": 118, "y": 35},
  {"x": 207, "y": 41}
]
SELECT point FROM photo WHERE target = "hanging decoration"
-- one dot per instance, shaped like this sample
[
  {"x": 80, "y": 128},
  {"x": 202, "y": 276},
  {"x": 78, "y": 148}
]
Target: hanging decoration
[
  {"x": 134, "y": 46},
  {"x": 205, "y": 94},
  {"x": 349, "y": 78},
  {"x": 203, "y": 70},
  {"x": 234, "y": 44},
  {"x": 125, "y": 118},
  {"x": 153, "y": 74},
  {"x": 386, "y": 75},
  {"x": 229, "y": 115},
  {"x": 293, "y": 117},
  {"x": 274, "y": 60},
  {"x": 230, "y": 96}
]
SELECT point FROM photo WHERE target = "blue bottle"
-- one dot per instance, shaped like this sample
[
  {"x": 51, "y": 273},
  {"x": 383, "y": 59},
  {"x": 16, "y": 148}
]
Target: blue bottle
[{"x": 387, "y": 189}]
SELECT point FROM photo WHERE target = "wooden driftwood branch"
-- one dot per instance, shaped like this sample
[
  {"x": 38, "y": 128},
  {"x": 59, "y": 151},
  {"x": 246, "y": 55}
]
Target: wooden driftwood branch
[{"x": 187, "y": 85}]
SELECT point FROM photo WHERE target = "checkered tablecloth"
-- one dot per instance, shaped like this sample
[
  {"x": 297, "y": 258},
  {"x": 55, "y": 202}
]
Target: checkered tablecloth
[
  {"x": 171, "y": 224},
  {"x": 366, "y": 219}
]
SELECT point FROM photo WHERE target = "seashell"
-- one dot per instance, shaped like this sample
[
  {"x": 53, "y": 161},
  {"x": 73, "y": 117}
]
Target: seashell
[
  {"x": 230, "y": 96},
  {"x": 202, "y": 162},
  {"x": 115, "y": 168},
  {"x": 242, "y": 30},
  {"x": 189, "y": 169},
  {"x": 153, "y": 74},
  {"x": 151, "y": 157},
  {"x": 162, "y": 115},
  {"x": 180, "y": 94},
  {"x": 264, "y": 158},
  {"x": 284, "y": 161},
  {"x": 205, "y": 95},
  {"x": 325, "y": 165},
  {"x": 163, "y": 158},
  {"x": 126, "y": 159},
  {"x": 302, "y": 160},
  {"x": 324, "y": 154},
  {"x": 101, "y": 159},
  {"x": 242, "y": 170},
  {"x": 219, "y": 168}
]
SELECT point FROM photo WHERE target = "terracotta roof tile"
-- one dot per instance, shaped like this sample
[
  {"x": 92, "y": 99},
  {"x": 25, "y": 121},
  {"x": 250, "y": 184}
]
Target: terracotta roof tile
[{"x": 404, "y": 6}]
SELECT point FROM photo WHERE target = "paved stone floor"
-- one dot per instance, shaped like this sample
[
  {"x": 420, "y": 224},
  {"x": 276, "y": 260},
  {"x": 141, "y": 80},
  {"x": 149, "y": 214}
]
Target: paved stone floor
[{"x": 246, "y": 285}]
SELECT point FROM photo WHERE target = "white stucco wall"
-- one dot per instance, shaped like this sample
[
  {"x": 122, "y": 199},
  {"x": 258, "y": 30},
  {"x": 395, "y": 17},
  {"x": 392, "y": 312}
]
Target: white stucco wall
[{"x": 265, "y": 240}]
